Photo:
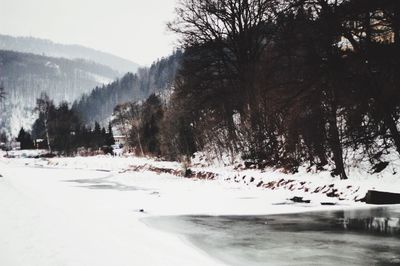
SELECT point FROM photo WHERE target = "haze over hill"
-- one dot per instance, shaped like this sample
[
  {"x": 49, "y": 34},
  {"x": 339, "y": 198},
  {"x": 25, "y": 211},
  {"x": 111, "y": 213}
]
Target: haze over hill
[
  {"x": 24, "y": 76},
  {"x": 158, "y": 78},
  {"x": 49, "y": 48}
]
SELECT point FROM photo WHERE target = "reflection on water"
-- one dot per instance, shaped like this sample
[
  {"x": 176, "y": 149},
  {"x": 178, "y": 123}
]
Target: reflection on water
[
  {"x": 385, "y": 225},
  {"x": 379, "y": 221},
  {"x": 358, "y": 237}
]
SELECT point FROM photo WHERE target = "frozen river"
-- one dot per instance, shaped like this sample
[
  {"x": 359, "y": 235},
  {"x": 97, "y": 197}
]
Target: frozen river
[{"x": 357, "y": 237}]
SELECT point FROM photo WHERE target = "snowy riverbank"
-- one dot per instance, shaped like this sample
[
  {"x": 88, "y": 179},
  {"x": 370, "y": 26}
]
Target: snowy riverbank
[{"x": 316, "y": 186}]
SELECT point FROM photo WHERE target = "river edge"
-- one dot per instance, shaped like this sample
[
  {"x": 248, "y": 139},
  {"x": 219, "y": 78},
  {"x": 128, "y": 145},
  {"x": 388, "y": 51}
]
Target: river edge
[{"x": 195, "y": 233}]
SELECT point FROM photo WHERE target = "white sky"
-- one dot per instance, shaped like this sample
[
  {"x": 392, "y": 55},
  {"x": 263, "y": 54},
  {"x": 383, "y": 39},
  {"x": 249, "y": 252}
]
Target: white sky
[{"x": 133, "y": 29}]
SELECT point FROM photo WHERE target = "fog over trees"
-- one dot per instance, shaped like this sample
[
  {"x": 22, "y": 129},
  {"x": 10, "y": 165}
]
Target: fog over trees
[
  {"x": 100, "y": 103},
  {"x": 49, "y": 48},
  {"x": 25, "y": 76}
]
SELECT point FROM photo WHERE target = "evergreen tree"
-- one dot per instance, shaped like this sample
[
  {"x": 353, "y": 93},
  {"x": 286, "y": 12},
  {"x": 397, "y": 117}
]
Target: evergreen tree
[
  {"x": 97, "y": 136},
  {"x": 100, "y": 103},
  {"x": 25, "y": 140},
  {"x": 110, "y": 136},
  {"x": 2, "y": 93},
  {"x": 152, "y": 114}
]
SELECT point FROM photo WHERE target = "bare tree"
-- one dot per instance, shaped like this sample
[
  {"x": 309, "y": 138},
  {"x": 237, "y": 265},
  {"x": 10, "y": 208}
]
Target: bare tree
[
  {"x": 43, "y": 106},
  {"x": 127, "y": 117},
  {"x": 237, "y": 29},
  {"x": 224, "y": 42}
]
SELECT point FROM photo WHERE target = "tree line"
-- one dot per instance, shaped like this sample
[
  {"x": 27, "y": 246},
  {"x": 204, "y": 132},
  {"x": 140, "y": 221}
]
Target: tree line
[
  {"x": 59, "y": 129},
  {"x": 281, "y": 83}
]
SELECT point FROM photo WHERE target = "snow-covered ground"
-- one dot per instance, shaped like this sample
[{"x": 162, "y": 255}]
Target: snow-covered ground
[
  {"x": 53, "y": 217},
  {"x": 88, "y": 211}
]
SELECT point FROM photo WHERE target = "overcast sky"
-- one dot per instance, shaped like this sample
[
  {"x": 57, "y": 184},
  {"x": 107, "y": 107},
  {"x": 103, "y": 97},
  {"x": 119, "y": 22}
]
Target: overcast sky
[{"x": 133, "y": 29}]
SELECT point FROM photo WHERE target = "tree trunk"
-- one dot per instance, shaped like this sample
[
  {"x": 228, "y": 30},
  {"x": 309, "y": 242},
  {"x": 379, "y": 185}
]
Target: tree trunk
[
  {"x": 140, "y": 143},
  {"x": 335, "y": 144},
  {"x": 47, "y": 135},
  {"x": 232, "y": 136},
  {"x": 392, "y": 126},
  {"x": 396, "y": 25},
  {"x": 319, "y": 149}
]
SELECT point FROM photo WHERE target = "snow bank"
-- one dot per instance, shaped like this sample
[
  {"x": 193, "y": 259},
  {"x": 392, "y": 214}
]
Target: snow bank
[{"x": 308, "y": 183}]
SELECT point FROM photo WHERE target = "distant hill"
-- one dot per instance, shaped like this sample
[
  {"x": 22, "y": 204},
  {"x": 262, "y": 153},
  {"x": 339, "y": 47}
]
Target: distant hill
[
  {"x": 24, "y": 76},
  {"x": 49, "y": 48},
  {"x": 99, "y": 104}
]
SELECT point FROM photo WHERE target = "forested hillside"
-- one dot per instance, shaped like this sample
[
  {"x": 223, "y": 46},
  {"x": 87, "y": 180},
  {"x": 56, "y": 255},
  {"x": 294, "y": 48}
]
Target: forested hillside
[
  {"x": 100, "y": 103},
  {"x": 49, "y": 48},
  {"x": 24, "y": 76}
]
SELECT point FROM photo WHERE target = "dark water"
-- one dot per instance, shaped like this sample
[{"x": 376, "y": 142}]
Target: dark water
[{"x": 356, "y": 237}]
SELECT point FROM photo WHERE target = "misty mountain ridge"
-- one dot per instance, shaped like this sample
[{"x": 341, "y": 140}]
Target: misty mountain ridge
[
  {"x": 68, "y": 51},
  {"x": 159, "y": 78},
  {"x": 25, "y": 76}
]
